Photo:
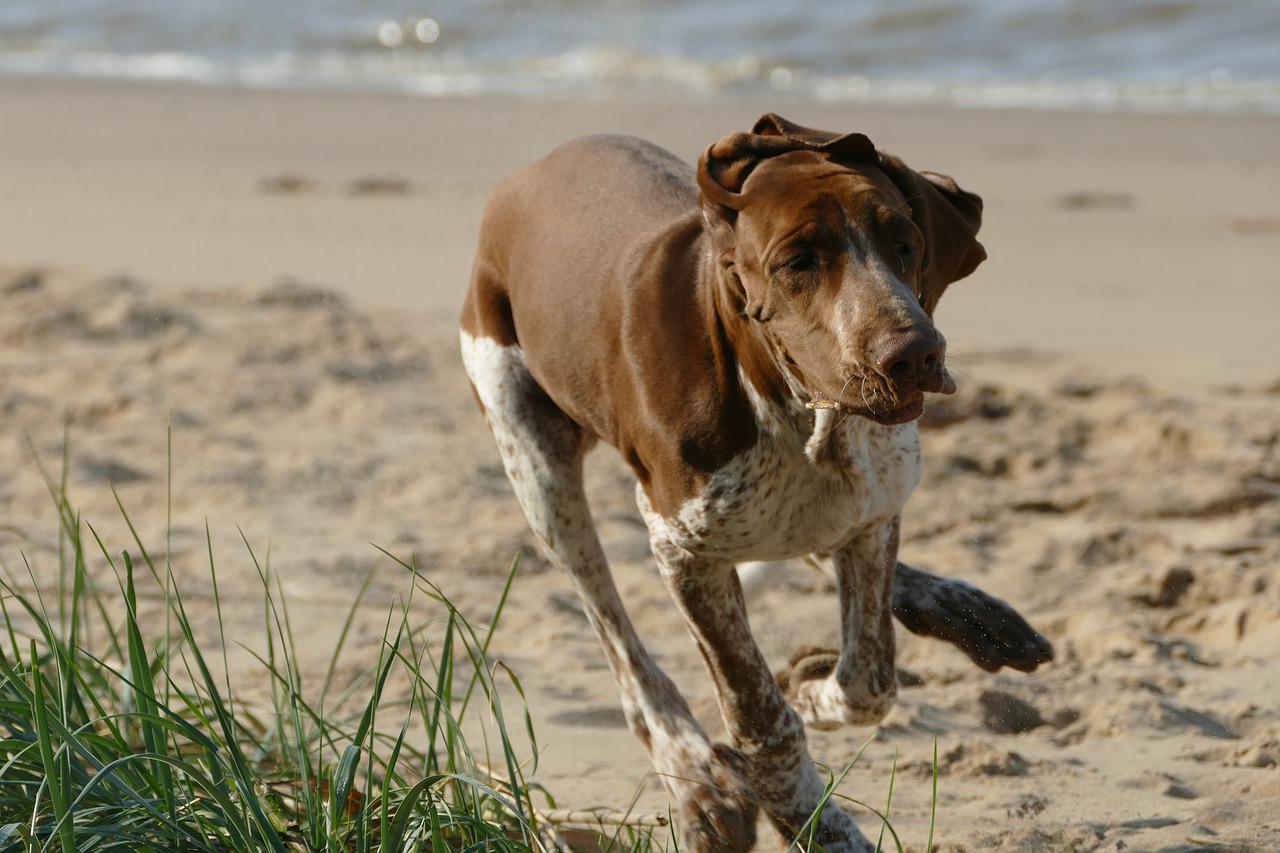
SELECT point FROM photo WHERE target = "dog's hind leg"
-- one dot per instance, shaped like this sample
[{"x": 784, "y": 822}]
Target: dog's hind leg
[
  {"x": 982, "y": 626},
  {"x": 542, "y": 451},
  {"x": 857, "y": 684},
  {"x": 987, "y": 629}
]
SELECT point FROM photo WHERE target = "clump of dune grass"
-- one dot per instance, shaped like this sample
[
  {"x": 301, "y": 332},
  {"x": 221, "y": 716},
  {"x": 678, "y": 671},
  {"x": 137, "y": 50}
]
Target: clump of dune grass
[
  {"x": 113, "y": 737},
  {"x": 116, "y": 739}
]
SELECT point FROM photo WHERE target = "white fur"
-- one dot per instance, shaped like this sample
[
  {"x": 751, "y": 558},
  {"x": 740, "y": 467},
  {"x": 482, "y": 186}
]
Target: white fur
[{"x": 776, "y": 501}]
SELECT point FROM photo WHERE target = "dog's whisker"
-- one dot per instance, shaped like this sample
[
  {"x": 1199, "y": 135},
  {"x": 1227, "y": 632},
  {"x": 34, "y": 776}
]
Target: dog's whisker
[
  {"x": 847, "y": 382},
  {"x": 863, "y": 392}
]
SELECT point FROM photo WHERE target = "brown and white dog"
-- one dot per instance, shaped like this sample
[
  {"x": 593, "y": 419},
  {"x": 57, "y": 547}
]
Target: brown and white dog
[{"x": 756, "y": 338}]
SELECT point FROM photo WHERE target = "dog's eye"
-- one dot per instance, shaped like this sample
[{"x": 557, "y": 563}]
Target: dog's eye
[
  {"x": 805, "y": 260},
  {"x": 904, "y": 250}
]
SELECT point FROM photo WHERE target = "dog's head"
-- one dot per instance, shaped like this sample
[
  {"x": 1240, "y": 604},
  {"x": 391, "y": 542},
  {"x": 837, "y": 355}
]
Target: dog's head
[{"x": 842, "y": 252}]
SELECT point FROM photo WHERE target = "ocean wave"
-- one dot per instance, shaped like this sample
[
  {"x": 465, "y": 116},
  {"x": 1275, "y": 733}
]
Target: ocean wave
[{"x": 604, "y": 71}]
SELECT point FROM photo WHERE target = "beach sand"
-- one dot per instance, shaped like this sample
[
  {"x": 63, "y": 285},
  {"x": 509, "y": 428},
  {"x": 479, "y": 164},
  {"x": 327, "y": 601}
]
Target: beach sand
[{"x": 277, "y": 275}]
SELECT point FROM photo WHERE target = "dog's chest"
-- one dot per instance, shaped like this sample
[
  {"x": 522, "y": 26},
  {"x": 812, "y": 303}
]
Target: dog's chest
[{"x": 776, "y": 502}]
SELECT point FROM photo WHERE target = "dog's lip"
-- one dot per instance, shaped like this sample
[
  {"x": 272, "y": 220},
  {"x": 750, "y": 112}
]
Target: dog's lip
[
  {"x": 940, "y": 382},
  {"x": 908, "y": 411},
  {"x": 904, "y": 414}
]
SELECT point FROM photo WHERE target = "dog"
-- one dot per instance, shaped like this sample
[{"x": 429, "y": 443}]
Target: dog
[{"x": 755, "y": 337}]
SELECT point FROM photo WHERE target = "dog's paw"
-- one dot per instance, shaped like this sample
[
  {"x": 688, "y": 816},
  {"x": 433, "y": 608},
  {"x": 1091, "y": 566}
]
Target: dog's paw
[
  {"x": 716, "y": 806},
  {"x": 807, "y": 663},
  {"x": 988, "y": 630},
  {"x": 810, "y": 685}
]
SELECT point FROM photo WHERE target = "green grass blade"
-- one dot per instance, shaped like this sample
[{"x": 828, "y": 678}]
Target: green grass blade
[
  {"x": 342, "y": 639},
  {"x": 144, "y": 688},
  {"x": 933, "y": 808},
  {"x": 493, "y": 627},
  {"x": 888, "y": 805},
  {"x": 66, "y": 830}
]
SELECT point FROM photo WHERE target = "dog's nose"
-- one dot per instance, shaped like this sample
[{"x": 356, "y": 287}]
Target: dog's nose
[{"x": 906, "y": 358}]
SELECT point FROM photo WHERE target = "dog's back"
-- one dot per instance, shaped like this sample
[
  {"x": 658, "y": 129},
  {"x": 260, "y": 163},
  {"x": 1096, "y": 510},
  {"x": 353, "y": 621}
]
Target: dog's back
[
  {"x": 558, "y": 227},
  {"x": 563, "y": 245}
]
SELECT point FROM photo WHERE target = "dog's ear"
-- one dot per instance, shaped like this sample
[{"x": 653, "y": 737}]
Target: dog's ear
[
  {"x": 851, "y": 146},
  {"x": 949, "y": 217},
  {"x": 724, "y": 167}
]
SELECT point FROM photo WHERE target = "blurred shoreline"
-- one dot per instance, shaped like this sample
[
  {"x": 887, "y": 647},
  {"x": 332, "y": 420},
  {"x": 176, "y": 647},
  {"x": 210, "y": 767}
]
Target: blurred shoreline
[
  {"x": 597, "y": 75},
  {"x": 1126, "y": 55}
]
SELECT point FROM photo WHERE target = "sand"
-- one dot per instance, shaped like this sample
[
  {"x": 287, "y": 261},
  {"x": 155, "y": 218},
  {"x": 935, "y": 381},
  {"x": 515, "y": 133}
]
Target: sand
[{"x": 276, "y": 275}]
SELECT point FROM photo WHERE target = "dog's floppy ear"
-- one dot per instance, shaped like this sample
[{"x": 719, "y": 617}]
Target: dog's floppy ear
[
  {"x": 724, "y": 168},
  {"x": 949, "y": 217},
  {"x": 853, "y": 146}
]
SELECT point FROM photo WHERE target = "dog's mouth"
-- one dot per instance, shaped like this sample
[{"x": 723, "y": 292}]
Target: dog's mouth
[
  {"x": 904, "y": 411},
  {"x": 877, "y": 402}
]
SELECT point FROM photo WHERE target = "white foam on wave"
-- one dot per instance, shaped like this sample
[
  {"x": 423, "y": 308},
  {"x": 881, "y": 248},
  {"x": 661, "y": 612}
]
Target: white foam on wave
[
  {"x": 1209, "y": 94},
  {"x": 610, "y": 71}
]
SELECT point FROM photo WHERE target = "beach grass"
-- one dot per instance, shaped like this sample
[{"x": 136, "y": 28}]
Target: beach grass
[{"x": 123, "y": 732}]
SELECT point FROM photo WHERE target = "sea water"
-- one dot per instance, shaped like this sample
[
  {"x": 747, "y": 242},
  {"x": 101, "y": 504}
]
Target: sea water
[{"x": 1098, "y": 54}]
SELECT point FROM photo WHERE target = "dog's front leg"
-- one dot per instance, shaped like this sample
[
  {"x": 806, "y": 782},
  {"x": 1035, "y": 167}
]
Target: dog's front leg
[
  {"x": 858, "y": 684},
  {"x": 765, "y": 730}
]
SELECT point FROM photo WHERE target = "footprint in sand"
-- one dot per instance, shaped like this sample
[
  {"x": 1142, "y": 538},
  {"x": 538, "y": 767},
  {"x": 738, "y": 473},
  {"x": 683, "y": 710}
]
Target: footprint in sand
[
  {"x": 111, "y": 471},
  {"x": 596, "y": 718},
  {"x": 371, "y": 185},
  {"x": 286, "y": 184},
  {"x": 295, "y": 294},
  {"x": 24, "y": 282},
  {"x": 1095, "y": 200},
  {"x": 1253, "y": 226},
  {"x": 1006, "y": 714},
  {"x": 974, "y": 759}
]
